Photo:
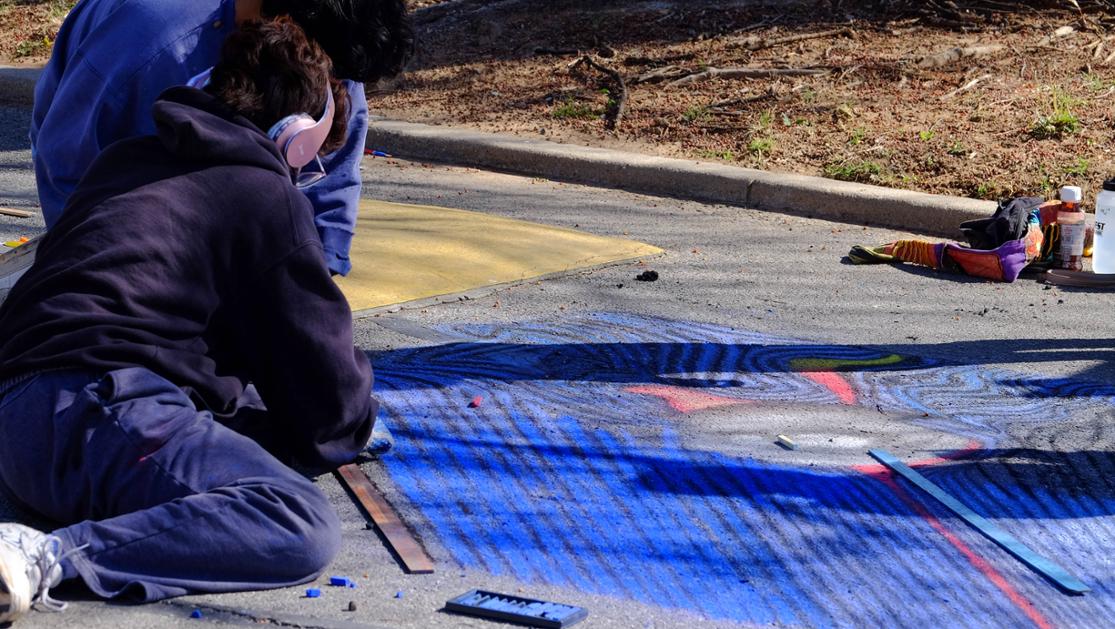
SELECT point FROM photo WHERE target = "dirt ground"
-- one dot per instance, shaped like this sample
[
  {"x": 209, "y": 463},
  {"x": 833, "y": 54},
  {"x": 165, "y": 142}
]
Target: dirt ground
[
  {"x": 980, "y": 103},
  {"x": 1029, "y": 110}
]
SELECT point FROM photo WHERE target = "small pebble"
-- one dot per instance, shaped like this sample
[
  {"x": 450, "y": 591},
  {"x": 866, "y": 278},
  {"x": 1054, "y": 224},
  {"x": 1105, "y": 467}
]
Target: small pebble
[
  {"x": 647, "y": 276},
  {"x": 351, "y": 606},
  {"x": 476, "y": 402}
]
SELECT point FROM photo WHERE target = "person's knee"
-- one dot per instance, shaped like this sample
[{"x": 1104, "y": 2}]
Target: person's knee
[
  {"x": 313, "y": 530},
  {"x": 323, "y": 542}
]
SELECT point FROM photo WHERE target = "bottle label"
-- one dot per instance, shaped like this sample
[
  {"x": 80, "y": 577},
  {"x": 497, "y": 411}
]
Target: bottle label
[{"x": 1072, "y": 246}]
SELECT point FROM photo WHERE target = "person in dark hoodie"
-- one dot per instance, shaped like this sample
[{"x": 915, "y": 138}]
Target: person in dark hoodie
[{"x": 185, "y": 266}]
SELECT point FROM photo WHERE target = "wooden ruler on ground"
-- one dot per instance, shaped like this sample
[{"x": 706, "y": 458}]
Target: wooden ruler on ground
[
  {"x": 399, "y": 540},
  {"x": 11, "y": 211}
]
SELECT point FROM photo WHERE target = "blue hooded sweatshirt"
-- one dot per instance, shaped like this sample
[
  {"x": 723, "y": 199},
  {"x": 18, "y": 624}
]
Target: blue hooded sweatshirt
[{"x": 113, "y": 58}]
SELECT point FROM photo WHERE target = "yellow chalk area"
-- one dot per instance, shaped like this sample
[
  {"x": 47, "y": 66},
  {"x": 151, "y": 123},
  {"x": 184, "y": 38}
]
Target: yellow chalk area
[
  {"x": 829, "y": 364},
  {"x": 404, "y": 253}
]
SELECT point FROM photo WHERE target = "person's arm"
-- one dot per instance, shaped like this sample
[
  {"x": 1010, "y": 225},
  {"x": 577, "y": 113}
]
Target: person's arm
[
  {"x": 336, "y": 198},
  {"x": 315, "y": 383}
]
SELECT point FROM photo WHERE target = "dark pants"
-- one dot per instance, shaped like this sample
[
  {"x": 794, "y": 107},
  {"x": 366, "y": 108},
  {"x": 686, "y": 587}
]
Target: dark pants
[{"x": 166, "y": 500}]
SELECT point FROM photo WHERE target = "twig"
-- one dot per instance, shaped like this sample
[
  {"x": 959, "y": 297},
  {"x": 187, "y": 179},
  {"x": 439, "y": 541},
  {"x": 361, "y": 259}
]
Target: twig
[
  {"x": 617, "y": 96},
  {"x": 7, "y": 211},
  {"x": 967, "y": 86},
  {"x": 758, "y": 43},
  {"x": 657, "y": 75},
  {"x": 955, "y": 54},
  {"x": 745, "y": 73}
]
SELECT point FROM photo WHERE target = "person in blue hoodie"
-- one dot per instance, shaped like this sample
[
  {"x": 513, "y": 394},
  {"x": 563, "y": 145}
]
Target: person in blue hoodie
[
  {"x": 186, "y": 264},
  {"x": 112, "y": 58}
]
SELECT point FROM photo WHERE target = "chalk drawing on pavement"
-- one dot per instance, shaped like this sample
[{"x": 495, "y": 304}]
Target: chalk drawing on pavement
[{"x": 630, "y": 456}]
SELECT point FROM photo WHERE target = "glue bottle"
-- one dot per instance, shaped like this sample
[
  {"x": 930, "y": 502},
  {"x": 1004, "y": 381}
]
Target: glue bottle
[
  {"x": 1103, "y": 247},
  {"x": 1071, "y": 220}
]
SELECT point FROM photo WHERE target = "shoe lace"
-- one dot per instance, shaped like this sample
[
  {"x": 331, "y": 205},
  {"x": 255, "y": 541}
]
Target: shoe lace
[{"x": 42, "y": 552}]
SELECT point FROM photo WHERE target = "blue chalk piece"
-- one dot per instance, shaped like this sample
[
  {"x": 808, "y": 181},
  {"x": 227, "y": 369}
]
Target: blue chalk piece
[
  {"x": 196, "y": 614},
  {"x": 313, "y": 593},
  {"x": 342, "y": 582},
  {"x": 399, "y": 594}
]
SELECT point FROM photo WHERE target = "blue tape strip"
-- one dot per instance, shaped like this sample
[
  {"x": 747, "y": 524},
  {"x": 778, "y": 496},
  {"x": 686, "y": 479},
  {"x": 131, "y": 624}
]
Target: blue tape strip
[{"x": 1008, "y": 542}]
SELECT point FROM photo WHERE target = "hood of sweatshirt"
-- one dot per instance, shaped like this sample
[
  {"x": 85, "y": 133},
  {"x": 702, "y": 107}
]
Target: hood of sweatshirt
[{"x": 197, "y": 126}]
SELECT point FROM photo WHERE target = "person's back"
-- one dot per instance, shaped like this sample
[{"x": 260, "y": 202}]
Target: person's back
[
  {"x": 112, "y": 58},
  {"x": 110, "y": 61},
  {"x": 185, "y": 265}
]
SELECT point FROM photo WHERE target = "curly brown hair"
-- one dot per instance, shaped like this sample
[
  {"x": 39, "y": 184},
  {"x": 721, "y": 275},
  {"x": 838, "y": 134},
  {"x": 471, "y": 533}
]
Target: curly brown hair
[{"x": 269, "y": 70}]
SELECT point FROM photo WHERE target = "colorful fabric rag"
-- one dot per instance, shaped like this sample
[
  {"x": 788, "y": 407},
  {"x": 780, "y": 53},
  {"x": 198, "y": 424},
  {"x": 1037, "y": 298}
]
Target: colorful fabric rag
[{"x": 1002, "y": 263}]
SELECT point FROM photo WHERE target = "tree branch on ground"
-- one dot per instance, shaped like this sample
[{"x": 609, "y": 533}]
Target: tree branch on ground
[
  {"x": 952, "y": 55},
  {"x": 617, "y": 90},
  {"x": 745, "y": 73}
]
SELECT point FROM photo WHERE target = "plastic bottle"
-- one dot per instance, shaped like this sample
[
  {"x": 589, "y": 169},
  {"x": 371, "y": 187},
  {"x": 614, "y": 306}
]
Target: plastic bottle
[
  {"x": 1103, "y": 246},
  {"x": 1071, "y": 219}
]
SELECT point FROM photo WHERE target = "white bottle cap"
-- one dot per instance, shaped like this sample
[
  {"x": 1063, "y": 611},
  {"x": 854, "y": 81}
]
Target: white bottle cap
[{"x": 1071, "y": 194}]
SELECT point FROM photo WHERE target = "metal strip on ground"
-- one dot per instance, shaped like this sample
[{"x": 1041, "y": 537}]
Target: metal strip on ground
[
  {"x": 1008, "y": 542},
  {"x": 409, "y": 553}
]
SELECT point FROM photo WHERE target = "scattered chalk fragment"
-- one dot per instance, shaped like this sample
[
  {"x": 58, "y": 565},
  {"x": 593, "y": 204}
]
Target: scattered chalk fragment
[
  {"x": 344, "y": 582},
  {"x": 786, "y": 442},
  {"x": 313, "y": 593},
  {"x": 196, "y": 614},
  {"x": 476, "y": 402},
  {"x": 399, "y": 594}
]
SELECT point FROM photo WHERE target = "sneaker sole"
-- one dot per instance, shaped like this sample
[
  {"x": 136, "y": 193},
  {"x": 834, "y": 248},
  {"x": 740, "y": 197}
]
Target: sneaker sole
[{"x": 15, "y": 582}]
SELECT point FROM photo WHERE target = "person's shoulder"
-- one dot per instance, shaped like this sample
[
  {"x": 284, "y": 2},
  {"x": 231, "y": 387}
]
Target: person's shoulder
[{"x": 123, "y": 36}]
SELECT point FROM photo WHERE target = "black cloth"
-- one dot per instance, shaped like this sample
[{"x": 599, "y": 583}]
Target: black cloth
[
  {"x": 191, "y": 254},
  {"x": 1010, "y": 221}
]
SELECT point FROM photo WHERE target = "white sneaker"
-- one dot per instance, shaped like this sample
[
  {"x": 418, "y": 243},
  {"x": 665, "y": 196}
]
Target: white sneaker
[{"x": 29, "y": 567}]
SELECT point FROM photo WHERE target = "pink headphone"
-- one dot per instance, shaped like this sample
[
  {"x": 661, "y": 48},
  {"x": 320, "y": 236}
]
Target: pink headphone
[{"x": 298, "y": 136}]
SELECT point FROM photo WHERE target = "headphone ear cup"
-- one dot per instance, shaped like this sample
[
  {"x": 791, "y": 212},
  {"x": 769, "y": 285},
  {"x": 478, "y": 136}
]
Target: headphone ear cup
[{"x": 288, "y": 135}]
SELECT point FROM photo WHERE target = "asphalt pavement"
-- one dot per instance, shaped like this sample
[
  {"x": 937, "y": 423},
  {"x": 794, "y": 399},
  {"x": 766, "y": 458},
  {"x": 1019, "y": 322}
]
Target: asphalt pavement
[{"x": 623, "y": 456}]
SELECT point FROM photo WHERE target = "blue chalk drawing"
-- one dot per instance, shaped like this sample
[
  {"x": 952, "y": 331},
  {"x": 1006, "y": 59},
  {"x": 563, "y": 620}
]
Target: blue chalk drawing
[{"x": 547, "y": 481}]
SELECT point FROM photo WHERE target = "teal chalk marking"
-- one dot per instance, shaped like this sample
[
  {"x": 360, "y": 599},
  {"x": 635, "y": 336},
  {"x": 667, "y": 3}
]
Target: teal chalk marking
[{"x": 1008, "y": 542}]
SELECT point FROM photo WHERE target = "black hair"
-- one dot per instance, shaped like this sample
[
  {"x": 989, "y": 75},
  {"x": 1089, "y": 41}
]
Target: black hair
[{"x": 367, "y": 40}]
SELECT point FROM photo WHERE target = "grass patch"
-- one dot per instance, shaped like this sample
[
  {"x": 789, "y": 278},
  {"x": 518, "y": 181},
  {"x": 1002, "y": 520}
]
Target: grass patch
[
  {"x": 926, "y": 135},
  {"x": 760, "y": 147},
  {"x": 33, "y": 47},
  {"x": 857, "y": 171},
  {"x": 1079, "y": 167},
  {"x": 571, "y": 109},
  {"x": 1060, "y": 121},
  {"x": 727, "y": 156},
  {"x": 696, "y": 113},
  {"x": 958, "y": 150},
  {"x": 857, "y": 137}
]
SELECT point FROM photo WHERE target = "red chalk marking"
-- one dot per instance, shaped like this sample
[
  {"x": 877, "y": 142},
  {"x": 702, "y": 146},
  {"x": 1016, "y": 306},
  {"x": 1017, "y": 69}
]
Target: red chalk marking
[
  {"x": 684, "y": 399},
  {"x": 834, "y": 382},
  {"x": 877, "y": 470},
  {"x": 884, "y": 475},
  {"x": 979, "y": 563},
  {"x": 476, "y": 401}
]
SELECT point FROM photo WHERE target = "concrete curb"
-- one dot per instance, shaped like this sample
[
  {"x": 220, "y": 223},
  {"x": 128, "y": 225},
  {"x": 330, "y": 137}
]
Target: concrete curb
[
  {"x": 718, "y": 183},
  {"x": 17, "y": 83},
  {"x": 703, "y": 181}
]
